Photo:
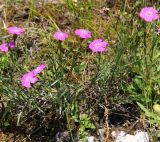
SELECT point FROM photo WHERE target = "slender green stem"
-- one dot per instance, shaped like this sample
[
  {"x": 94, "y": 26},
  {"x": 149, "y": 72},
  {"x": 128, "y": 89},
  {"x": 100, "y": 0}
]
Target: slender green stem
[
  {"x": 60, "y": 51},
  {"x": 98, "y": 64},
  {"x": 153, "y": 41},
  {"x": 69, "y": 126},
  {"x": 14, "y": 37},
  {"x": 61, "y": 59},
  {"x": 99, "y": 61},
  {"x": 76, "y": 56},
  {"x": 145, "y": 50},
  {"x": 146, "y": 72},
  {"x": 124, "y": 7}
]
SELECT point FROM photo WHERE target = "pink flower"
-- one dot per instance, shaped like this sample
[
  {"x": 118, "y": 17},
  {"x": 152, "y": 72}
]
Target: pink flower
[
  {"x": 60, "y": 36},
  {"x": 28, "y": 79},
  {"x": 15, "y": 30},
  {"x": 82, "y": 33},
  {"x": 39, "y": 69},
  {"x": 4, "y": 47},
  {"x": 12, "y": 44},
  {"x": 149, "y": 14},
  {"x": 98, "y": 45}
]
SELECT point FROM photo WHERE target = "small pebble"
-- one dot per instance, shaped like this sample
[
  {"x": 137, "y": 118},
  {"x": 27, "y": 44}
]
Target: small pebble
[{"x": 90, "y": 139}]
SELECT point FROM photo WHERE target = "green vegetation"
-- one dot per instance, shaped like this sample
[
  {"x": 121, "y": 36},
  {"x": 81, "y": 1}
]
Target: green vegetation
[{"x": 77, "y": 84}]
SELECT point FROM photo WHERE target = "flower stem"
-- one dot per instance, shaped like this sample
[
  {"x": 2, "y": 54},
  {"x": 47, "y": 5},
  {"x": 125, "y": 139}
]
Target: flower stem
[{"x": 69, "y": 127}]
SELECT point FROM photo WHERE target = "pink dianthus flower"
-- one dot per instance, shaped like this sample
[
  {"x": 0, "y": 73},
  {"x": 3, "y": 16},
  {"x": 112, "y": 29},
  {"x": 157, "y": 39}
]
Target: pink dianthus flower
[
  {"x": 4, "y": 47},
  {"x": 82, "y": 33},
  {"x": 12, "y": 44},
  {"x": 15, "y": 30},
  {"x": 60, "y": 35},
  {"x": 149, "y": 14},
  {"x": 98, "y": 45},
  {"x": 28, "y": 79},
  {"x": 39, "y": 69}
]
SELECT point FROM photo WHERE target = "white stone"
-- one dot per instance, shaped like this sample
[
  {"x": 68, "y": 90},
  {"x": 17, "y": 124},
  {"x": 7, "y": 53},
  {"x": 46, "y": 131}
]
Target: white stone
[
  {"x": 116, "y": 134},
  {"x": 126, "y": 138},
  {"x": 90, "y": 139},
  {"x": 141, "y": 136},
  {"x": 121, "y": 136}
]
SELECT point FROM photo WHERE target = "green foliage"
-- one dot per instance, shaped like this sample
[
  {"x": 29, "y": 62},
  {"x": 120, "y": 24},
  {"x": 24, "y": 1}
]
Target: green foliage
[
  {"x": 154, "y": 118},
  {"x": 132, "y": 62},
  {"x": 85, "y": 123},
  {"x": 3, "y": 62},
  {"x": 146, "y": 70}
]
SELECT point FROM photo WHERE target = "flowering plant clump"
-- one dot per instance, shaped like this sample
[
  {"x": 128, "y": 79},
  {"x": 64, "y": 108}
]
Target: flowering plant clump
[
  {"x": 149, "y": 14},
  {"x": 39, "y": 69},
  {"x": 98, "y": 45},
  {"x": 60, "y": 35},
  {"x": 82, "y": 33},
  {"x": 4, "y": 47},
  {"x": 28, "y": 79},
  {"x": 15, "y": 30},
  {"x": 82, "y": 67}
]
